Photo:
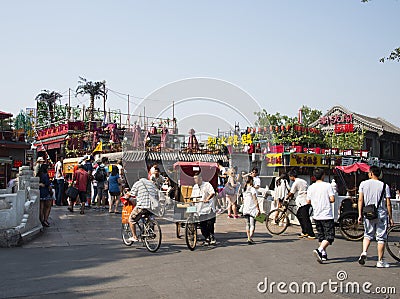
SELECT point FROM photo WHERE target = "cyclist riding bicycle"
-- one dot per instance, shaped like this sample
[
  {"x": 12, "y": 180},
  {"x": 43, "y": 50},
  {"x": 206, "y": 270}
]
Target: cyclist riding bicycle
[{"x": 144, "y": 191}]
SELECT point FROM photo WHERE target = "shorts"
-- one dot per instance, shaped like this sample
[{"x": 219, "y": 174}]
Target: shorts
[
  {"x": 136, "y": 214},
  {"x": 376, "y": 228},
  {"x": 325, "y": 230},
  {"x": 82, "y": 196}
]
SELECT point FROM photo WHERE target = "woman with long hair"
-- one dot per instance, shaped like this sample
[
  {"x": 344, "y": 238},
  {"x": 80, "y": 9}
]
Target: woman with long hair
[
  {"x": 251, "y": 208},
  {"x": 46, "y": 193},
  {"x": 114, "y": 181},
  {"x": 231, "y": 192}
]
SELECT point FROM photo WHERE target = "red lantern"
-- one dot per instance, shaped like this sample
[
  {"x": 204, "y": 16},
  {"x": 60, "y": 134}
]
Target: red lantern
[
  {"x": 288, "y": 127},
  {"x": 265, "y": 129},
  {"x": 276, "y": 128},
  {"x": 271, "y": 128},
  {"x": 282, "y": 128}
]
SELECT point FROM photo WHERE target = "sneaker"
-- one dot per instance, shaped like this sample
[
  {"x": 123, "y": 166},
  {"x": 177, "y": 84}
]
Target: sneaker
[
  {"x": 324, "y": 257},
  {"x": 382, "y": 264},
  {"x": 303, "y": 235},
  {"x": 362, "y": 259},
  {"x": 318, "y": 255},
  {"x": 311, "y": 237},
  {"x": 205, "y": 243},
  {"x": 213, "y": 241},
  {"x": 132, "y": 239}
]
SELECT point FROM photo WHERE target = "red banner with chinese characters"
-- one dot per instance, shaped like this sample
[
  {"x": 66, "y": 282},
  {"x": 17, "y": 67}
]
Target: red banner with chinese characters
[{"x": 344, "y": 128}]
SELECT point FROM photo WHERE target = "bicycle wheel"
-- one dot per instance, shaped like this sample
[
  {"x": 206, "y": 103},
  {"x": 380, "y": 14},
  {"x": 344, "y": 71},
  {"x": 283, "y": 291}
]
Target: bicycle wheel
[
  {"x": 152, "y": 235},
  {"x": 191, "y": 232},
  {"x": 393, "y": 242},
  {"x": 349, "y": 226},
  {"x": 277, "y": 221},
  {"x": 126, "y": 234}
]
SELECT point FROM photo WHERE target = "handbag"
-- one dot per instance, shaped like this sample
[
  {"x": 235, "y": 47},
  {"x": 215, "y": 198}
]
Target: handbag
[
  {"x": 370, "y": 212},
  {"x": 261, "y": 217},
  {"x": 229, "y": 190},
  {"x": 72, "y": 192}
]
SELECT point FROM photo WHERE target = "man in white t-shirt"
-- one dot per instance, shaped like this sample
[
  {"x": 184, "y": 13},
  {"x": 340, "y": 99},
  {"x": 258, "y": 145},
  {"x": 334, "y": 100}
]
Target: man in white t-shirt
[
  {"x": 59, "y": 176},
  {"x": 371, "y": 192},
  {"x": 321, "y": 196},
  {"x": 256, "y": 178},
  {"x": 299, "y": 190},
  {"x": 205, "y": 208}
]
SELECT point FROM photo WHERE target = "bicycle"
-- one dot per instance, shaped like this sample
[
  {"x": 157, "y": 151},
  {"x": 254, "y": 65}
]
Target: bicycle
[
  {"x": 192, "y": 223},
  {"x": 277, "y": 221},
  {"x": 349, "y": 226},
  {"x": 147, "y": 230},
  {"x": 393, "y": 242}
]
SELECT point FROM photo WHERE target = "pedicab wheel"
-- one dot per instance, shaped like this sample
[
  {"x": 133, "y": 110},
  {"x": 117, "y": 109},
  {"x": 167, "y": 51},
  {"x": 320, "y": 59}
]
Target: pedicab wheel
[
  {"x": 349, "y": 227},
  {"x": 191, "y": 233},
  {"x": 152, "y": 235},
  {"x": 393, "y": 242},
  {"x": 277, "y": 221},
  {"x": 126, "y": 234}
]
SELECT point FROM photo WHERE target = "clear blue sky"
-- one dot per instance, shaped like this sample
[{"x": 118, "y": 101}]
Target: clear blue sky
[{"x": 284, "y": 53}]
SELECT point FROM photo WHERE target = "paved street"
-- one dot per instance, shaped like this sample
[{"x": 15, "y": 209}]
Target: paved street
[{"x": 83, "y": 256}]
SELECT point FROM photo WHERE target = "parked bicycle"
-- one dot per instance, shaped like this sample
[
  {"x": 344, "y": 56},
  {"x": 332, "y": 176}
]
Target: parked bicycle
[
  {"x": 278, "y": 220},
  {"x": 393, "y": 242}
]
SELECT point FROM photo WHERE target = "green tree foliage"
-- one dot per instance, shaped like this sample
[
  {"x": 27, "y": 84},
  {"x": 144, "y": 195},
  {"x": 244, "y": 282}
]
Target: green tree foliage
[
  {"x": 310, "y": 115},
  {"x": 95, "y": 90},
  {"x": 345, "y": 141},
  {"x": 46, "y": 106}
]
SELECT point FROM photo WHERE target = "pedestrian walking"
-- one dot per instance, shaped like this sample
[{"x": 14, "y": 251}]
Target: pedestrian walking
[
  {"x": 299, "y": 191},
  {"x": 59, "y": 180},
  {"x": 81, "y": 179},
  {"x": 114, "y": 182},
  {"x": 46, "y": 195},
  {"x": 251, "y": 208},
  {"x": 321, "y": 196},
  {"x": 222, "y": 178},
  {"x": 205, "y": 208},
  {"x": 374, "y": 194},
  {"x": 101, "y": 178},
  {"x": 231, "y": 193},
  {"x": 39, "y": 162}
]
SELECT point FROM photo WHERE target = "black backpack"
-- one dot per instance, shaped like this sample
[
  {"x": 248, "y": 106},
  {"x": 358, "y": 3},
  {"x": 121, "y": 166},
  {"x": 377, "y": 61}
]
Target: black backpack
[{"x": 100, "y": 174}]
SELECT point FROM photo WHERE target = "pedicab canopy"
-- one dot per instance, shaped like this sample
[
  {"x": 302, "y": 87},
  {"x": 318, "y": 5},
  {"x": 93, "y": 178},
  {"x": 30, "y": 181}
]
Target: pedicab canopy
[
  {"x": 354, "y": 167},
  {"x": 186, "y": 170}
]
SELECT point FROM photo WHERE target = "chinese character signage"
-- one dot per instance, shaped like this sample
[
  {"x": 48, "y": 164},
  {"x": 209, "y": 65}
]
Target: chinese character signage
[
  {"x": 234, "y": 140},
  {"x": 306, "y": 160},
  {"x": 274, "y": 160},
  {"x": 336, "y": 119},
  {"x": 344, "y": 128}
]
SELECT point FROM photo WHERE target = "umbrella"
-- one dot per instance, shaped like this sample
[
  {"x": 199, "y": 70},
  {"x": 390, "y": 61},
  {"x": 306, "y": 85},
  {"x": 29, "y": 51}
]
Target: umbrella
[{"x": 354, "y": 167}]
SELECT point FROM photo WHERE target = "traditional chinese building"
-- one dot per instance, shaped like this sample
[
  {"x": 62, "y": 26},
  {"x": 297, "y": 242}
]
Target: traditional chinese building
[{"x": 380, "y": 145}]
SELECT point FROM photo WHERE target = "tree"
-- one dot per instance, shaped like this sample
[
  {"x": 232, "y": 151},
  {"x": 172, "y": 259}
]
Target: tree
[
  {"x": 394, "y": 55},
  {"x": 48, "y": 100},
  {"x": 309, "y": 115},
  {"x": 95, "y": 90},
  {"x": 24, "y": 122}
]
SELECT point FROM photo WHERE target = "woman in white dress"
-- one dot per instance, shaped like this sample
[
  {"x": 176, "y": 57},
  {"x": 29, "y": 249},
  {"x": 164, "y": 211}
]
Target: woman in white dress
[{"x": 251, "y": 208}]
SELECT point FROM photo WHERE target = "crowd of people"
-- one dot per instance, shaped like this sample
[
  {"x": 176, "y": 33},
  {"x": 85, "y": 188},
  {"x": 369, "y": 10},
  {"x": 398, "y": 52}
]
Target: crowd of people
[{"x": 98, "y": 183}]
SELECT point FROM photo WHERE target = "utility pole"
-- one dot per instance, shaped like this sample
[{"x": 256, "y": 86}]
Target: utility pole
[
  {"x": 104, "y": 98},
  {"x": 129, "y": 116},
  {"x": 69, "y": 104}
]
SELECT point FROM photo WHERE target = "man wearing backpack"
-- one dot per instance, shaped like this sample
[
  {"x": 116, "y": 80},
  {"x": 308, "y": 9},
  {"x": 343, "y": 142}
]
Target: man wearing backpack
[{"x": 101, "y": 177}]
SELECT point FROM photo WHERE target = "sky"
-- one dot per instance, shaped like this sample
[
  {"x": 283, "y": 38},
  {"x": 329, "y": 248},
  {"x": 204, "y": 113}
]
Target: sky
[{"x": 284, "y": 54}]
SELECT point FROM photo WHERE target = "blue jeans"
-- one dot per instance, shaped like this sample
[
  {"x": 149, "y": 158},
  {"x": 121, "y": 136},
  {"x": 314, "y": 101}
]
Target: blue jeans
[{"x": 59, "y": 191}]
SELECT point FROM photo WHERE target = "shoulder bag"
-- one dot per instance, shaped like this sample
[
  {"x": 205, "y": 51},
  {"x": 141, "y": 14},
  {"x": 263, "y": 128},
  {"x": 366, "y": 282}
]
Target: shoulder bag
[{"x": 370, "y": 212}]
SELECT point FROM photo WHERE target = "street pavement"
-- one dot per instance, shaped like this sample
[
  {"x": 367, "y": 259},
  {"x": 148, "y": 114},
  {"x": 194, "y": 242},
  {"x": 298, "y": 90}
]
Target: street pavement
[{"x": 82, "y": 256}]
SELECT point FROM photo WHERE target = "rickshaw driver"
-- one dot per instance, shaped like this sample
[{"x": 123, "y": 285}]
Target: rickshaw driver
[
  {"x": 205, "y": 208},
  {"x": 142, "y": 189}
]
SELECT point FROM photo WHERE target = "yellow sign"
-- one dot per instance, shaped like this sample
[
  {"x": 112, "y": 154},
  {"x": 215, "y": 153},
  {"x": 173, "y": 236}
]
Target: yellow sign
[
  {"x": 306, "y": 160},
  {"x": 274, "y": 160}
]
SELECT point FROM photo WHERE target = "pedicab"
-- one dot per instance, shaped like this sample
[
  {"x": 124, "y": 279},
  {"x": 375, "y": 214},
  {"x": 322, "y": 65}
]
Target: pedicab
[
  {"x": 348, "y": 209},
  {"x": 185, "y": 211}
]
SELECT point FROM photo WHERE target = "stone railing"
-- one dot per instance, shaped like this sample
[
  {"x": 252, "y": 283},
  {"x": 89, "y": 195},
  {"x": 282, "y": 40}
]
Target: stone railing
[{"x": 19, "y": 212}]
